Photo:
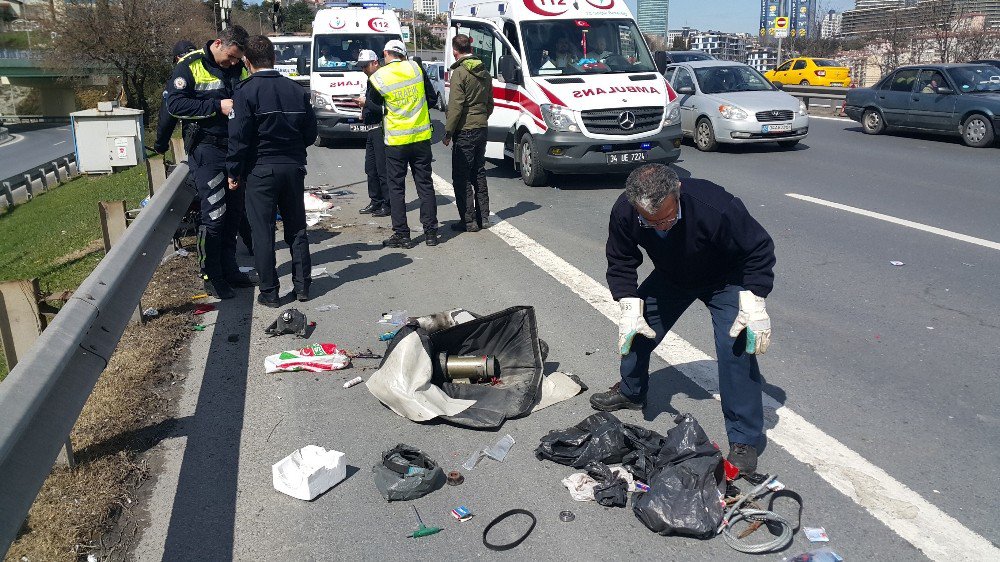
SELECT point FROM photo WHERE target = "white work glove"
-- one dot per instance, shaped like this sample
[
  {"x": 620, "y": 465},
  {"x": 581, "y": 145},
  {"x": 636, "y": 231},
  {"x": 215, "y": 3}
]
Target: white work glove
[
  {"x": 753, "y": 316},
  {"x": 631, "y": 323}
]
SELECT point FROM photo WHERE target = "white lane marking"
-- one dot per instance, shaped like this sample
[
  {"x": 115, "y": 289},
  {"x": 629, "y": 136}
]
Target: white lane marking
[
  {"x": 58, "y": 143},
  {"x": 902, "y": 222},
  {"x": 934, "y": 532},
  {"x": 824, "y": 118}
]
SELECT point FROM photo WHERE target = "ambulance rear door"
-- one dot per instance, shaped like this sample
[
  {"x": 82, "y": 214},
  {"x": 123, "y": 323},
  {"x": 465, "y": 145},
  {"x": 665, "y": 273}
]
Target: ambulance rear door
[{"x": 489, "y": 44}]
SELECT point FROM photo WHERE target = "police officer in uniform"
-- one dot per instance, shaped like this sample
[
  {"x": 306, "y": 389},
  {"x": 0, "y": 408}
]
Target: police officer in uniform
[
  {"x": 201, "y": 91},
  {"x": 271, "y": 124},
  {"x": 371, "y": 114},
  {"x": 406, "y": 93}
]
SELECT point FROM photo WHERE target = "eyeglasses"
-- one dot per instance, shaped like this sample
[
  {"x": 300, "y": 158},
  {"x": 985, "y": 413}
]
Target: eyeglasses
[{"x": 665, "y": 224}]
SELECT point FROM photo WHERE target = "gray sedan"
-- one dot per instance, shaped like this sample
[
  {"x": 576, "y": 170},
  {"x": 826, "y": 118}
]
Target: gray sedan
[{"x": 730, "y": 102}]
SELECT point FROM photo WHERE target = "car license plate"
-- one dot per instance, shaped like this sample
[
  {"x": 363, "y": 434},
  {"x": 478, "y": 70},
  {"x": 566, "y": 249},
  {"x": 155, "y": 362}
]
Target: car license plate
[
  {"x": 361, "y": 128},
  {"x": 782, "y": 128},
  {"x": 626, "y": 157},
  {"x": 836, "y": 84}
]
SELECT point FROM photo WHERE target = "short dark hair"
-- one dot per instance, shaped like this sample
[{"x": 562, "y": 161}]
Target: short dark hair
[
  {"x": 648, "y": 186},
  {"x": 462, "y": 44},
  {"x": 234, "y": 35},
  {"x": 259, "y": 52}
]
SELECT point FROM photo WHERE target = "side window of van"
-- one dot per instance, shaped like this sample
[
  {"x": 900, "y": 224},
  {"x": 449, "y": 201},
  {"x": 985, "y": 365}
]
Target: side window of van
[{"x": 486, "y": 46}]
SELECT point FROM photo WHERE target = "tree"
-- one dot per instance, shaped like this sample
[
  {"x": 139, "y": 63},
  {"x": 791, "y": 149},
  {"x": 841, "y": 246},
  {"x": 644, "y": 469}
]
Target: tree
[
  {"x": 134, "y": 37},
  {"x": 977, "y": 44},
  {"x": 655, "y": 42},
  {"x": 942, "y": 18},
  {"x": 892, "y": 41},
  {"x": 298, "y": 18},
  {"x": 679, "y": 44}
]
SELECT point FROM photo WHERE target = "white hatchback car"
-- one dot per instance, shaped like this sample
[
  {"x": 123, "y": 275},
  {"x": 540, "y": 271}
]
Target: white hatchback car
[
  {"x": 435, "y": 71},
  {"x": 730, "y": 102}
]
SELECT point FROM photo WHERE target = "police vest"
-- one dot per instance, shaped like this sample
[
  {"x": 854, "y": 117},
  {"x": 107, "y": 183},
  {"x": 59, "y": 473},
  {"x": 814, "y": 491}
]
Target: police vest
[
  {"x": 407, "y": 119},
  {"x": 205, "y": 81}
]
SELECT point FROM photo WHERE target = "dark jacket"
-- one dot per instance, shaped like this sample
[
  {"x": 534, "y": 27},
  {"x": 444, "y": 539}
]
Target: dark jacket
[
  {"x": 374, "y": 109},
  {"x": 203, "y": 106},
  {"x": 470, "y": 100},
  {"x": 272, "y": 123},
  {"x": 716, "y": 242},
  {"x": 165, "y": 124}
]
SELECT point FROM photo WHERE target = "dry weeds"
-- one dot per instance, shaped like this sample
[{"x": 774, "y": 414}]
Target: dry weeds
[{"x": 128, "y": 412}]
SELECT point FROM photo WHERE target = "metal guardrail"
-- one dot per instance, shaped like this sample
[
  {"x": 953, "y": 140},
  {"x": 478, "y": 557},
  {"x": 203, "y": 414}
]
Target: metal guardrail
[
  {"x": 809, "y": 93},
  {"x": 21, "y": 188},
  {"x": 20, "y": 54},
  {"x": 42, "y": 397},
  {"x": 31, "y": 119}
]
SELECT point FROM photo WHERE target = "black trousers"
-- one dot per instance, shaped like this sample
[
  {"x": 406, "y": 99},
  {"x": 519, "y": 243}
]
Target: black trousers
[
  {"x": 378, "y": 189},
  {"x": 418, "y": 157},
  {"x": 221, "y": 212},
  {"x": 468, "y": 176},
  {"x": 280, "y": 187}
]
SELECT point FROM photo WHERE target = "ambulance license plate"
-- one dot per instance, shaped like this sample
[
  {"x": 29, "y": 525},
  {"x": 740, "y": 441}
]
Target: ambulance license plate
[
  {"x": 626, "y": 157},
  {"x": 782, "y": 128},
  {"x": 361, "y": 128}
]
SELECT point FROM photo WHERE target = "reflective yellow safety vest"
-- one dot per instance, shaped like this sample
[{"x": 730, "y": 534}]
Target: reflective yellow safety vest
[
  {"x": 407, "y": 119},
  {"x": 205, "y": 81}
]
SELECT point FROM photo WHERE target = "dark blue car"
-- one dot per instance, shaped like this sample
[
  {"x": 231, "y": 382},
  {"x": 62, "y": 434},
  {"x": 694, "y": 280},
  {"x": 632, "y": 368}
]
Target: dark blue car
[{"x": 955, "y": 99}]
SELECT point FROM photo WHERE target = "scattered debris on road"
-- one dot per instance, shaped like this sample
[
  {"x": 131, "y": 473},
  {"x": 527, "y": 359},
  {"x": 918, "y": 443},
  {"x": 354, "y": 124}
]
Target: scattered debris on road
[
  {"x": 308, "y": 472},
  {"x": 314, "y": 358}
]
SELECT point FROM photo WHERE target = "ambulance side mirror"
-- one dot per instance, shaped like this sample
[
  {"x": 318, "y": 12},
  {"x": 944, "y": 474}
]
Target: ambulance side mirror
[
  {"x": 660, "y": 60},
  {"x": 300, "y": 66},
  {"x": 510, "y": 70}
]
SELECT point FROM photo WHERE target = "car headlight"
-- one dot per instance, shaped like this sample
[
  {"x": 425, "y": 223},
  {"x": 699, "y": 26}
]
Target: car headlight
[
  {"x": 559, "y": 118},
  {"x": 732, "y": 112},
  {"x": 672, "y": 114},
  {"x": 322, "y": 101},
  {"x": 803, "y": 110}
]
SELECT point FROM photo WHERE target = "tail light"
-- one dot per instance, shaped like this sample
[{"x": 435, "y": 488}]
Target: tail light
[{"x": 820, "y": 73}]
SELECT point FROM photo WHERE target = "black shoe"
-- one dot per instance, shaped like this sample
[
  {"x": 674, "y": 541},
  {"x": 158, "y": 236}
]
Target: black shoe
[
  {"x": 398, "y": 241},
  {"x": 240, "y": 281},
  {"x": 743, "y": 457},
  {"x": 302, "y": 295},
  {"x": 473, "y": 228},
  {"x": 458, "y": 226},
  {"x": 383, "y": 212},
  {"x": 613, "y": 400},
  {"x": 270, "y": 301},
  {"x": 219, "y": 289},
  {"x": 431, "y": 238},
  {"x": 369, "y": 209}
]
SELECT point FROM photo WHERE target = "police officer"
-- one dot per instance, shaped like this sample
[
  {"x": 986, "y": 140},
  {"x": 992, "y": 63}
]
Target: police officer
[
  {"x": 271, "y": 125},
  {"x": 405, "y": 91},
  {"x": 371, "y": 114},
  {"x": 704, "y": 245},
  {"x": 200, "y": 91}
]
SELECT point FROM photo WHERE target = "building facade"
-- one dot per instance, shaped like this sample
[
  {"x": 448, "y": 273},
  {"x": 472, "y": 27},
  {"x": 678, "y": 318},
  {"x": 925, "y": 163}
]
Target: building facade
[
  {"x": 685, "y": 34},
  {"x": 652, "y": 16},
  {"x": 831, "y": 24},
  {"x": 428, "y": 8},
  {"x": 723, "y": 46},
  {"x": 762, "y": 58}
]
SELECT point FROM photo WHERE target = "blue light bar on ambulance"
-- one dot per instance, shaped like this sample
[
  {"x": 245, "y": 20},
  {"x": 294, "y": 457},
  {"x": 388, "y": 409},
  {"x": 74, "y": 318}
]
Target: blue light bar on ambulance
[
  {"x": 503, "y": 8},
  {"x": 380, "y": 5}
]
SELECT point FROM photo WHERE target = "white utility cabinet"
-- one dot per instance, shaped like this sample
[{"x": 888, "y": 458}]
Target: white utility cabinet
[{"x": 107, "y": 138}]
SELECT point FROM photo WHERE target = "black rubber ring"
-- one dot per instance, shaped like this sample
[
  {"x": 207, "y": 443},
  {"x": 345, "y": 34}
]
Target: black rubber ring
[{"x": 500, "y": 518}]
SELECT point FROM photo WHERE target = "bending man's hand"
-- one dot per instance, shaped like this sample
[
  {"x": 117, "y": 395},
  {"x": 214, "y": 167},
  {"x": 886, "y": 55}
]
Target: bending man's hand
[
  {"x": 632, "y": 323},
  {"x": 753, "y": 317},
  {"x": 233, "y": 184}
]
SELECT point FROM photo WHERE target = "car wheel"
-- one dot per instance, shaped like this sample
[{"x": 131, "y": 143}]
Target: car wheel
[
  {"x": 804, "y": 83},
  {"x": 532, "y": 173},
  {"x": 872, "y": 122},
  {"x": 704, "y": 136},
  {"x": 977, "y": 131},
  {"x": 788, "y": 143}
]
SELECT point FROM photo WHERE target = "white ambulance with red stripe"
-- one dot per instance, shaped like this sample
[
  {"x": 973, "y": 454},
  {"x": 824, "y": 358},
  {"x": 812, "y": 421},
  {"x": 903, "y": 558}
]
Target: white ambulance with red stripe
[
  {"x": 340, "y": 31},
  {"x": 575, "y": 87}
]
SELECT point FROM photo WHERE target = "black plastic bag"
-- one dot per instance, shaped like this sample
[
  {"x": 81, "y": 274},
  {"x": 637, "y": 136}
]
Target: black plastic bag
[
  {"x": 600, "y": 438},
  {"x": 611, "y": 489},
  {"x": 407, "y": 473},
  {"x": 687, "y": 485}
]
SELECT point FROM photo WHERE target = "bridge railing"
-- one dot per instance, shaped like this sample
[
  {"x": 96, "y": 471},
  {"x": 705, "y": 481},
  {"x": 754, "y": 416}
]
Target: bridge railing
[
  {"x": 42, "y": 397},
  {"x": 20, "y": 54}
]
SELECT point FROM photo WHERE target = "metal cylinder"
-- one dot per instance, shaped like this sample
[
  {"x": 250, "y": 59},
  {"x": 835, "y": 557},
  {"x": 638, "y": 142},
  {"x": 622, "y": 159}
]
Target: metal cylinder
[{"x": 472, "y": 367}]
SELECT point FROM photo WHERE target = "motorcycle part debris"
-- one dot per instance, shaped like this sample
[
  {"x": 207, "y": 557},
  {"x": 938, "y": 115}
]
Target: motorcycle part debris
[
  {"x": 455, "y": 478},
  {"x": 566, "y": 516},
  {"x": 501, "y": 517}
]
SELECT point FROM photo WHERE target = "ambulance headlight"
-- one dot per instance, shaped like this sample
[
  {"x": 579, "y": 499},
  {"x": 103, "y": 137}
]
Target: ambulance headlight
[
  {"x": 672, "y": 114},
  {"x": 559, "y": 118},
  {"x": 321, "y": 101}
]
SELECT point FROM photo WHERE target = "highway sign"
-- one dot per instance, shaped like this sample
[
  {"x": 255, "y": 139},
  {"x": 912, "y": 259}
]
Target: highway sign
[{"x": 781, "y": 27}]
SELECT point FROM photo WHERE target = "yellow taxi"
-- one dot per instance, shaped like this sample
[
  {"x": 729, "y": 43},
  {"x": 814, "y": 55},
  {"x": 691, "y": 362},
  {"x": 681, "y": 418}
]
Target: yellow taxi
[{"x": 807, "y": 71}]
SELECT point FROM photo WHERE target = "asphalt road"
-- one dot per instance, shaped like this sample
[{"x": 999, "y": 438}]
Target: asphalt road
[
  {"x": 896, "y": 363},
  {"x": 34, "y": 147}
]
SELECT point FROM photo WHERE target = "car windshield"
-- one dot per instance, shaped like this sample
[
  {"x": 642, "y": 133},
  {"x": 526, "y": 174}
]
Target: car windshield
[
  {"x": 340, "y": 51},
  {"x": 574, "y": 47},
  {"x": 722, "y": 79},
  {"x": 826, "y": 62},
  {"x": 289, "y": 53},
  {"x": 976, "y": 78}
]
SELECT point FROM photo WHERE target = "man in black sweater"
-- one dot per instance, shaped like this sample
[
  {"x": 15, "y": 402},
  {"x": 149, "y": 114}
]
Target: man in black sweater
[
  {"x": 371, "y": 115},
  {"x": 271, "y": 124},
  {"x": 704, "y": 246}
]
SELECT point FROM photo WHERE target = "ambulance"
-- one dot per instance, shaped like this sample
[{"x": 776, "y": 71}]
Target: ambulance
[
  {"x": 575, "y": 87},
  {"x": 340, "y": 32},
  {"x": 288, "y": 50}
]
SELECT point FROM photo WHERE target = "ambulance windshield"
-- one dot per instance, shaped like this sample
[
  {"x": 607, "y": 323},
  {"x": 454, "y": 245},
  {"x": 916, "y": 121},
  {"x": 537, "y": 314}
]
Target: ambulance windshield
[
  {"x": 595, "y": 46},
  {"x": 340, "y": 51}
]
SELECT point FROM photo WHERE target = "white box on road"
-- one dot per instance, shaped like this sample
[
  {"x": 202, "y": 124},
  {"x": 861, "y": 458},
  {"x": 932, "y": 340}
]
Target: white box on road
[{"x": 308, "y": 472}]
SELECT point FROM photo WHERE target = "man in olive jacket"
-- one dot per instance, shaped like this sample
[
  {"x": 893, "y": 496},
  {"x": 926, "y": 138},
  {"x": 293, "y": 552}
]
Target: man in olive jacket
[{"x": 470, "y": 103}]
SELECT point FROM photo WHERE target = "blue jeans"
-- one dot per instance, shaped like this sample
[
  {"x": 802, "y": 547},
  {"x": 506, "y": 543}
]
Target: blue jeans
[{"x": 739, "y": 377}]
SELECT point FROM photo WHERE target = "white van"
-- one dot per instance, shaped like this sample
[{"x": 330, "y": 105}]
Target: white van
[
  {"x": 288, "y": 49},
  {"x": 340, "y": 32},
  {"x": 575, "y": 88}
]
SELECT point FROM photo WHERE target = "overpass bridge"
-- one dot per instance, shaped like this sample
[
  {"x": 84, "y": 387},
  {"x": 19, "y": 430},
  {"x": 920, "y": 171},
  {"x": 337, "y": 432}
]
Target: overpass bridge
[{"x": 55, "y": 86}]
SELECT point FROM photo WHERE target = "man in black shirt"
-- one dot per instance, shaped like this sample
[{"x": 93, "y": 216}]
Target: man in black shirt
[
  {"x": 271, "y": 125},
  {"x": 704, "y": 246},
  {"x": 371, "y": 115}
]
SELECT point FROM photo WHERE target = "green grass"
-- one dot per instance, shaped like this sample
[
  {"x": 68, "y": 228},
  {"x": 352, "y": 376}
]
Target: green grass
[
  {"x": 46, "y": 237},
  {"x": 15, "y": 39}
]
